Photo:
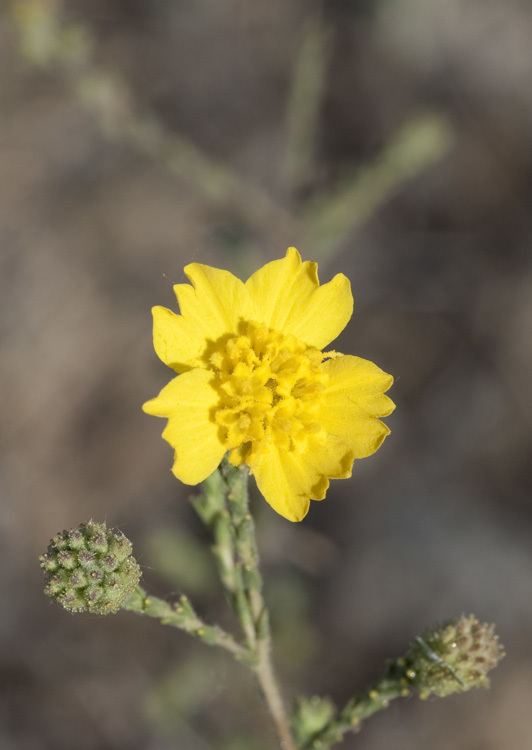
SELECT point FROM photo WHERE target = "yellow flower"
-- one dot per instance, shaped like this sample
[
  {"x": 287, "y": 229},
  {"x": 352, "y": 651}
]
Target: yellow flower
[{"x": 254, "y": 381}]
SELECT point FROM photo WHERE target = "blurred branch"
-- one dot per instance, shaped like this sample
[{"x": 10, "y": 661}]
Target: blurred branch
[
  {"x": 331, "y": 217},
  {"x": 328, "y": 218},
  {"x": 46, "y": 41},
  {"x": 305, "y": 102}
]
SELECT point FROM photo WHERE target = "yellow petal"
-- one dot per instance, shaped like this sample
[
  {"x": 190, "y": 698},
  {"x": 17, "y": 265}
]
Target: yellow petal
[
  {"x": 176, "y": 341},
  {"x": 216, "y": 302},
  {"x": 354, "y": 378},
  {"x": 352, "y": 402},
  {"x": 188, "y": 402},
  {"x": 287, "y": 297},
  {"x": 288, "y": 481}
]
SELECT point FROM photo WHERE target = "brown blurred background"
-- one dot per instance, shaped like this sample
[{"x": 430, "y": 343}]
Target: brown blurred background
[{"x": 391, "y": 141}]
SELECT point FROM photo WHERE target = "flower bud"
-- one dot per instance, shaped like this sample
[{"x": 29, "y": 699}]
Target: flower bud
[
  {"x": 311, "y": 715},
  {"x": 453, "y": 657},
  {"x": 90, "y": 569}
]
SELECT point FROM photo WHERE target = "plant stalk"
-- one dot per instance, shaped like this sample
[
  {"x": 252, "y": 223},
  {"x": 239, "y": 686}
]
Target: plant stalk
[
  {"x": 272, "y": 695},
  {"x": 246, "y": 585}
]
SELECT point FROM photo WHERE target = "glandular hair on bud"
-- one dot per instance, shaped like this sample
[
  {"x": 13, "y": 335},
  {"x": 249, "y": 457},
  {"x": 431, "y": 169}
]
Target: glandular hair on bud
[
  {"x": 90, "y": 569},
  {"x": 453, "y": 657}
]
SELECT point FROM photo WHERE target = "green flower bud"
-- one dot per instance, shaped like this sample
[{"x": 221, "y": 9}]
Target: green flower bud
[
  {"x": 453, "y": 657},
  {"x": 310, "y": 716},
  {"x": 90, "y": 569}
]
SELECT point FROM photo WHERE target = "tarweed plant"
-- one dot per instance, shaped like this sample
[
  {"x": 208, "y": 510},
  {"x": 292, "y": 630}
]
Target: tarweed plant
[{"x": 257, "y": 392}]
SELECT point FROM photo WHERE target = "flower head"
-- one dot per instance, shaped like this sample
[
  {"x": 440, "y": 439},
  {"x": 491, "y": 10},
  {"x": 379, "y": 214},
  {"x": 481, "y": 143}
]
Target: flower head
[
  {"x": 90, "y": 568},
  {"x": 254, "y": 381},
  {"x": 453, "y": 657}
]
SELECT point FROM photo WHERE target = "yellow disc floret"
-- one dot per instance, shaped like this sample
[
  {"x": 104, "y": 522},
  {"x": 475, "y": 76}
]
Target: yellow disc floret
[{"x": 270, "y": 386}]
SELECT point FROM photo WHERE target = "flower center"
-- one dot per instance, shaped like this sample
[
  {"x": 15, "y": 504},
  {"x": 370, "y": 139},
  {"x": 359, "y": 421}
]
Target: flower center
[{"x": 270, "y": 387}]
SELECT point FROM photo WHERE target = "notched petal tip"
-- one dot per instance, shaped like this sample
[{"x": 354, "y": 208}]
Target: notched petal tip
[
  {"x": 175, "y": 341},
  {"x": 379, "y": 440},
  {"x": 214, "y": 302},
  {"x": 386, "y": 406}
]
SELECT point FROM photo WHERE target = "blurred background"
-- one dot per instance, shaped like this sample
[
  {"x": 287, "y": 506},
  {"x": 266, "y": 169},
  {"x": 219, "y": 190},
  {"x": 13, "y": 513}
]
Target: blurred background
[{"x": 390, "y": 141}]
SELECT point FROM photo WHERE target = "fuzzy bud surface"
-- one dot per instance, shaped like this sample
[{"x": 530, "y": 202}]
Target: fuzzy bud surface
[
  {"x": 453, "y": 657},
  {"x": 90, "y": 569}
]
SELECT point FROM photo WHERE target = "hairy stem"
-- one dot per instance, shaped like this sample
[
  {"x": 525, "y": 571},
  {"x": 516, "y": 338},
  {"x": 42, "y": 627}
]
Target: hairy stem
[
  {"x": 224, "y": 506},
  {"x": 181, "y": 615},
  {"x": 392, "y": 685},
  {"x": 272, "y": 695}
]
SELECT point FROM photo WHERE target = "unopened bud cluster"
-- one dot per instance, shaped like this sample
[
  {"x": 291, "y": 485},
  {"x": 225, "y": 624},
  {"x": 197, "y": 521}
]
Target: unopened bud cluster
[
  {"x": 453, "y": 657},
  {"x": 90, "y": 569}
]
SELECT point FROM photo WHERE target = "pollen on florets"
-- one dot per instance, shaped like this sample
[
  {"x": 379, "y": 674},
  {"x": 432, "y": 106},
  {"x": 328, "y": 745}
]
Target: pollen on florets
[
  {"x": 270, "y": 386},
  {"x": 90, "y": 568},
  {"x": 453, "y": 657}
]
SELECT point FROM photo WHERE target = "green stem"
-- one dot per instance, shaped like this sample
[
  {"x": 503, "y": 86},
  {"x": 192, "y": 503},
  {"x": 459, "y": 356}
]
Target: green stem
[
  {"x": 247, "y": 553},
  {"x": 181, "y": 615},
  {"x": 224, "y": 506},
  {"x": 272, "y": 694},
  {"x": 392, "y": 685},
  {"x": 244, "y": 538}
]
